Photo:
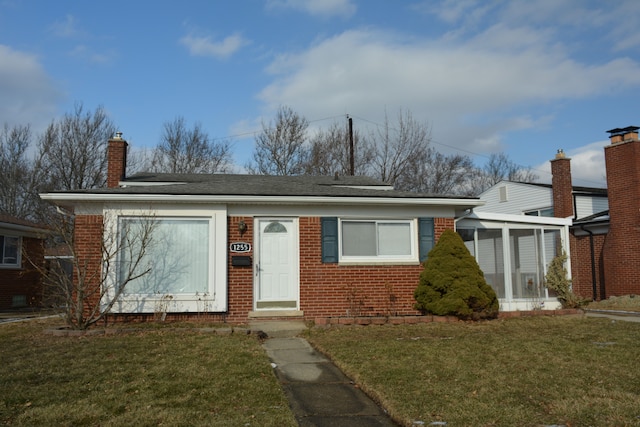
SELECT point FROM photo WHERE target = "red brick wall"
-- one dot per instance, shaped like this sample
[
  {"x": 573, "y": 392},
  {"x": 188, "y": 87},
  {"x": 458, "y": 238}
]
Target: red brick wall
[
  {"x": 88, "y": 251},
  {"x": 331, "y": 289},
  {"x": 240, "y": 279},
  {"x": 562, "y": 187},
  {"x": 581, "y": 271},
  {"x": 25, "y": 280},
  {"x": 116, "y": 162},
  {"x": 622, "y": 245},
  {"x": 325, "y": 289}
]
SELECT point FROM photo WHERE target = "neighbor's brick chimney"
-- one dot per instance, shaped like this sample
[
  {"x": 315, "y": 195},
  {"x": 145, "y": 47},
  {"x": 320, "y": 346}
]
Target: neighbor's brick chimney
[
  {"x": 116, "y": 160},
  {"x": 561, "y": 185},
  {"x": 621, "y": 249}
]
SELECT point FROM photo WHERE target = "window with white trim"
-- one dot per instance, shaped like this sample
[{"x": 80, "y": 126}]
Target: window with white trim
[
  {"x": 10, "y": 251},
  {"x": 177, "y": 257},
  {"x": 184, "y": 265},
  {"x": 378, "y": 240}
]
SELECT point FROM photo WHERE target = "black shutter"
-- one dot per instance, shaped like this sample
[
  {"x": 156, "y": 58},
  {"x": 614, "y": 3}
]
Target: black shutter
[
  {"x": 425, "y": 236},
  {"x": 329, "y": 228}
]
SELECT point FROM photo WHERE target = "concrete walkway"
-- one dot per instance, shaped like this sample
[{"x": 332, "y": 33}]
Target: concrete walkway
[{"x": 319, "y": 393}]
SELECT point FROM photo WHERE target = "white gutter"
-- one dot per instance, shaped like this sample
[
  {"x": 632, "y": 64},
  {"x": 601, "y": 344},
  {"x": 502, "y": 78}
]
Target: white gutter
[
  {"x": 528, "y": 219},
  {"x": 33, "y": 231},
  {"x": 290, "y": 200}
]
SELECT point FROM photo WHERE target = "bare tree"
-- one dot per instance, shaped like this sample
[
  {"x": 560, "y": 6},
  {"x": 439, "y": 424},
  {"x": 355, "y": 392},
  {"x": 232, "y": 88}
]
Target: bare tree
[
  {"x": 184, "y": 150},
  {"x": 330, "y": 153},
  {"x": 74, "y": 149},
  {"x": 500, "y": 167},
  {"x": 21, "y": 176},
  {"x": 281, "y": 147},
  {"x": 439, "y": 174},
  {"x": 88, "y": 292},
  {"x": 399, "y": 149}
]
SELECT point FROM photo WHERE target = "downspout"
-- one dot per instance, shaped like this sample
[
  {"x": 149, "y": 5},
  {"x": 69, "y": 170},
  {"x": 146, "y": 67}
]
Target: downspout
[{"x": 593, "y": 262}]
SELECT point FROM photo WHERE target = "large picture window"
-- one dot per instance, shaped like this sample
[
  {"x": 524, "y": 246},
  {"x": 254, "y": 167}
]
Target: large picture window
[
  {"x": 378, "y": 240},
  {"x": 9, "y": 251},
  {"x": 177, "y": 257}
]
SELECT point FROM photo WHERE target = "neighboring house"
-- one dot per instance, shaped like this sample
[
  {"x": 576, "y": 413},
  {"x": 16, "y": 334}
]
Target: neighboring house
[
  {"x": 239, "y": 247},
  {"x": 514, "y": 249},
  {"x": 607, "y": 243},
  {"x": 603, "y": 239},
  {"x": 21, "y": 250}
]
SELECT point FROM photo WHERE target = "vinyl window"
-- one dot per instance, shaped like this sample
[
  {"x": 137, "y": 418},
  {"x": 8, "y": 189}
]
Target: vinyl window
[
  {"x": 377, "y": 240},
  {"x": 9, "y": 251}
]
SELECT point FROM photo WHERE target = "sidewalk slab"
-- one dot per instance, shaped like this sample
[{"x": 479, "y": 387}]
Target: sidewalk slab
[{"x": 319, "y": 393}]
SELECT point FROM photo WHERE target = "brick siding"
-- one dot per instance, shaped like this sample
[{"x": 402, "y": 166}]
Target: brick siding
[
  {"x": 116, "y": 162},
  {"x": 581, "y": 271},
  {"x": 621, "y": 250},
  {"x": 25, "y": 280},
  {"x": 562, "y": 187},
  {"x": 88, "y": 251},
  {"x": 329, "y": 289}
]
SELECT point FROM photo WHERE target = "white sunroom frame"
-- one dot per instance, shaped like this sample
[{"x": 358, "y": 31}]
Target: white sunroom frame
[{"x": 506, "y": 222}]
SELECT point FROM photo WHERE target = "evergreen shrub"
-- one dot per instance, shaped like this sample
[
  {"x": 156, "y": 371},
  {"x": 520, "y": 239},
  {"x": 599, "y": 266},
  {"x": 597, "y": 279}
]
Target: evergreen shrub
[
  {"x": 557, "y": 281},
  {"x": 452, "y": 283}
]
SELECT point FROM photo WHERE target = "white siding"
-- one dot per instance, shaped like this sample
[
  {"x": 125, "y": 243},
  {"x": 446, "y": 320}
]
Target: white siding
[
  {"x": 520, "y": 198},
  {"x": 586, "y": 205}
]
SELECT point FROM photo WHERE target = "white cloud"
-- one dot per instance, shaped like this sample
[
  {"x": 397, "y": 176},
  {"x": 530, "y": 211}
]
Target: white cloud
[
  {"x": 587, "y": 166},
  {"x": 27, "y": 93},
  {"x": 323, "y": 8},
  {"x": 469, "y": 90},
  {"x": 66, "y": 28},
  {"x": 86, "y": 54},
  {"x": 206, "y": 46}
]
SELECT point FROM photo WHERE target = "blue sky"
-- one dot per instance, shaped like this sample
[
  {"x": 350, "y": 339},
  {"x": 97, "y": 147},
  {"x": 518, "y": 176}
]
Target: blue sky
[{"x": 522, "y": 77}]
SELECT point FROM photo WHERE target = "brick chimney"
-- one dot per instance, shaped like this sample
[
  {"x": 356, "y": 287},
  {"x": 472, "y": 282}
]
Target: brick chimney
[
  {"x": 116, "y": 160},
  {"x": 621, "y": 251},
  {"x": 561, "y": 185}
]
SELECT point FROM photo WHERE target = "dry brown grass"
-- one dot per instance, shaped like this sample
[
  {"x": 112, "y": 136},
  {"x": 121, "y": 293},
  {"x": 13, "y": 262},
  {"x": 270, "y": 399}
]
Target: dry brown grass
[
  {"x": 537, "y": 371},
  {"x": 176, "y": 377},
  {"x": 622, "y": 303}
]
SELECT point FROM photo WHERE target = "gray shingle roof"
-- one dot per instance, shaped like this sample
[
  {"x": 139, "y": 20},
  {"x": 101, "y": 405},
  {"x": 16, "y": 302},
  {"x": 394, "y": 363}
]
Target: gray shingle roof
[{"x": 257, "y": 185}]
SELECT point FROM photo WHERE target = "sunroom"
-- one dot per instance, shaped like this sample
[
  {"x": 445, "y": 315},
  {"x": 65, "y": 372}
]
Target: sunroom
[{"x": 514, "y": 252}]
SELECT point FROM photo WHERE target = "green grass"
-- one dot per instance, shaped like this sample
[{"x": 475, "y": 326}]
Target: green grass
[
  {"x": 146, "y": 378},
  {"x": 536, "y": 371}
]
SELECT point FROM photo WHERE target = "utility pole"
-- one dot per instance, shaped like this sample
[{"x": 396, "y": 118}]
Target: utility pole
[{"x": 351, "y": 153}]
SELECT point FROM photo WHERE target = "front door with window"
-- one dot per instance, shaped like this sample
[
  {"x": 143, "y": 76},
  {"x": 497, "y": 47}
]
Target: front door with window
[{"x": 276, "y": 264}]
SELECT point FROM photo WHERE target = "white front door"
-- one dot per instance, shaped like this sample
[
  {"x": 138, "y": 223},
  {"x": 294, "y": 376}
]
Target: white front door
[{"x": 276, "y": 264}]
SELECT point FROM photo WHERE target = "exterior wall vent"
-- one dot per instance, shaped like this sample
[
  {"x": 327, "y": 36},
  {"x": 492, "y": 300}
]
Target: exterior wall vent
[{"x": 503, "y": 195}]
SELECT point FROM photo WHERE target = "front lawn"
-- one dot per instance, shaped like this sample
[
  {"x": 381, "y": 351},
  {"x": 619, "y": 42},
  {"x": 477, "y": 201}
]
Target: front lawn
[
  {"x": 166, "y": 376},
  {"x": 533, "y": 371}
]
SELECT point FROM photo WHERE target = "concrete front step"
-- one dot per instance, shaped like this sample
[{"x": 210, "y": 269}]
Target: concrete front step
[{"x": 278, "y": 328}]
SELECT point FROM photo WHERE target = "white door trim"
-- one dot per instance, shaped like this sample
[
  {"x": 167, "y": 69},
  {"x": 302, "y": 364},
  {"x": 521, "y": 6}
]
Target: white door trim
[{"x": 292, "y": 302}]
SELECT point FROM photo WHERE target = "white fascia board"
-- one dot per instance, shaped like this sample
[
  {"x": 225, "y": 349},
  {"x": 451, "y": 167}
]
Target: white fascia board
[
  {"x": 293, "y": 200},
  {"x": 527, "y": 219}
]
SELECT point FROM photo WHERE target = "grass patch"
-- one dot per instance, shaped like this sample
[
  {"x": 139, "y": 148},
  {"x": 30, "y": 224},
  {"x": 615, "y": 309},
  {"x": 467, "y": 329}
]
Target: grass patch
[
  {"x": 622, "y": 303},
  {"x": 572, "y": 371},
  {"x": 147, "y": 378}
]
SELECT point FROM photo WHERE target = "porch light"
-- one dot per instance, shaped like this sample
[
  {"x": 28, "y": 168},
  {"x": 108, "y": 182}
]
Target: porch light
[{"x": 242, "y": 227}]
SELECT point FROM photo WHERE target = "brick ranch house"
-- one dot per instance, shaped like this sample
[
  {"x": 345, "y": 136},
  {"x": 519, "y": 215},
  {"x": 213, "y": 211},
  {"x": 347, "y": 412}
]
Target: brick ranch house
[
  {"x": 241, "y": 247},
  {"x": 21, "y": 246}
]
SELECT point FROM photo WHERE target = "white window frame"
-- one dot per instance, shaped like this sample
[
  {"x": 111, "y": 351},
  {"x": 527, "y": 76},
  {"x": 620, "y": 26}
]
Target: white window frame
[
  {"x": 412, "y": 258},
  {"x": 18, "y": 262},
  {"x": 215, "y": 299}
]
